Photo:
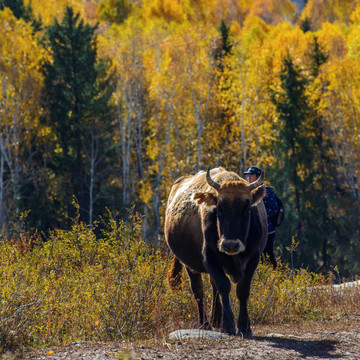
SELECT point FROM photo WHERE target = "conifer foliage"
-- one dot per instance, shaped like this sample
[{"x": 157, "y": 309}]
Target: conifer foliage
[
  {"x": 79, "y": 113},
  {"x": 293, "y": 142}
]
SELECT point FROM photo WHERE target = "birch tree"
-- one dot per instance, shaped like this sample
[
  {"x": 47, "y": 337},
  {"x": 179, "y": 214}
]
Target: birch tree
[{"x": 20, "y": 110}]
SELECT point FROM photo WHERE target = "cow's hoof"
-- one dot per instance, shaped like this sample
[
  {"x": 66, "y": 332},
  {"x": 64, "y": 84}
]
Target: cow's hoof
[{"x": 246, "y": 334}]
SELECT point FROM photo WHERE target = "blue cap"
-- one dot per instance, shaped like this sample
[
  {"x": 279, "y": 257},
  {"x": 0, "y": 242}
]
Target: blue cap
[{"x": 254, "y": 170}]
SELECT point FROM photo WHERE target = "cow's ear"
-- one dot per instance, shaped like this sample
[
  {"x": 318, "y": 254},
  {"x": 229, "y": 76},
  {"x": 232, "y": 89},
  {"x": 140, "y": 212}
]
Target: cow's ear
[
  {"x": 207, "y": 198},
  {"x": 257, "y": 194}
]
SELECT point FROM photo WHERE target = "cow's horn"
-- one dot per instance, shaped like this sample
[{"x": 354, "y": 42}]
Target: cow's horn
[
  {"x": 258, "y": 182},
  {"x": 210, "y": 181}
]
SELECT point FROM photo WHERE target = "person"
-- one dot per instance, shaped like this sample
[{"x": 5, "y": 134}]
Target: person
[{"x": 272, "y": 209}]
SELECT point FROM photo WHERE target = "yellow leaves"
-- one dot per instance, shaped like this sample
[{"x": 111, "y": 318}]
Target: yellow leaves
[
  {"x": 353, "y": 40},
  {"x": 181, "y": 11},
  {"x": 319, "y": 12},
  {"x": 255, "y": 29},
  {"x": 21, "y": 79},
  {"x": 58, "y": 150},
  {"x": 51, "y": 9},
  {"x": 355, "y": 16},
  {"x": 145, "y": 192},
  {"x": 167, "y": 9},
  {"x": 333, "y": 38},
  {"x": 273, "y": 11},
  {"x": 17, "y": 35}
]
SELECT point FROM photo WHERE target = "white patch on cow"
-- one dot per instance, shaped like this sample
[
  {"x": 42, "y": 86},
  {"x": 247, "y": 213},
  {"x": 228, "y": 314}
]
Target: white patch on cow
[
  {"x": 200, "y": 172},
  {"x": 180, "y": 191},
  {"x": 210, "y": 208},
  {"x": 206, "y": 206},
  {"x": 214, "y": 171}
]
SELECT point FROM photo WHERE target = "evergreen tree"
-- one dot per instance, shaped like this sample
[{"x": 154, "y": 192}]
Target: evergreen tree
[
  {"x": 318, "y": 57},
  {"x": 293, "y": 145},
  {"x": 225, "y": 46},
  {"x": 320, "y": 229},
  {"x": 224, "y": 31},
  {"x": 222, "y": 117},
  {"x": 77, "y": 94},
  {"x": 305, "y": 25}
]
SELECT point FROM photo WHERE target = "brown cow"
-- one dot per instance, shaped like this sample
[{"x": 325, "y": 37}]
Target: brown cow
[{"x": 216, "y": 223}]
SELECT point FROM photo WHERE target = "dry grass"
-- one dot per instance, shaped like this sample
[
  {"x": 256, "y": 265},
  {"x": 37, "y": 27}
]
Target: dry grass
[{"x": 79, "y": 286}]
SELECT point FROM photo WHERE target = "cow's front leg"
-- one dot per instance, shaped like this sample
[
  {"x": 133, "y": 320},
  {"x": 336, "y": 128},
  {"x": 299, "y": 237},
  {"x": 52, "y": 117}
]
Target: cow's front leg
[
  {"x": 243, "y": 292},
  {"x": 216, "y": 308},
  {"x": 223, "y": 286}
]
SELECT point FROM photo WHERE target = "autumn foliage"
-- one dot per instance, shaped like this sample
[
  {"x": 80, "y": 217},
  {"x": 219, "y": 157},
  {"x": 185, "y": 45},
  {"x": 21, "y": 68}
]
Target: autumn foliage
[{"x": 111, "y": 100}]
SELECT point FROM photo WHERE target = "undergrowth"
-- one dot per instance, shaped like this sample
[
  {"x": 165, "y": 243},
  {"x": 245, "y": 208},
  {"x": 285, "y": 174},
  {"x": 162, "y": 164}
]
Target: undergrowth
[{"x": 76, "y": 285}]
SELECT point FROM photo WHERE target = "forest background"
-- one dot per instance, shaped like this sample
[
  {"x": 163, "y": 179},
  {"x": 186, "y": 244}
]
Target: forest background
[{"x": 109, "y": 101}]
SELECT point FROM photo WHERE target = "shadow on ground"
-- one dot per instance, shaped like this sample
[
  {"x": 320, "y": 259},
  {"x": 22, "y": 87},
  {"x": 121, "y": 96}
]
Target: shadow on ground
[{"x": 323, "y": 349}]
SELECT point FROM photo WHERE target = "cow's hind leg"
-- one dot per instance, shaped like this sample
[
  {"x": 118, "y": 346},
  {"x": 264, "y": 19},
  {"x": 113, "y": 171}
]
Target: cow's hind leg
[
  {"x": 216, "y": 308},
  {"x": 243, "y": 292},
  {"x": 197, "y": 288}
]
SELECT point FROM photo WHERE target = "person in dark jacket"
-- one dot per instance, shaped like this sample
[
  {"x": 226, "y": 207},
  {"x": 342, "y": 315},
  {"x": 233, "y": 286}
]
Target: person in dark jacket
[{"x": 271, "y": 209}]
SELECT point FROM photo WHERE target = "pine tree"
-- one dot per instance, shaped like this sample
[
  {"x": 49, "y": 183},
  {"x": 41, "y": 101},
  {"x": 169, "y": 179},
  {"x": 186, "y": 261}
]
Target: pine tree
[
  {"x": 318, "y": 57},
  {"x": 77, "y": 95},
  {"x": 305, "y": 25},
  {"x": 293, "y": 143},
  {"x": 225, "y": 46},
  {"x": 318, "y": 217}
]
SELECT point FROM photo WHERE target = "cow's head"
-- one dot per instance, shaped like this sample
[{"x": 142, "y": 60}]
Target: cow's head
[{"x": 231, "y": 203}]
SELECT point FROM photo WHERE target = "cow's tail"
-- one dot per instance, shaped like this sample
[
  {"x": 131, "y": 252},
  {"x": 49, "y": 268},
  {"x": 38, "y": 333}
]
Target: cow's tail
[{"x": 174, "y": 277}]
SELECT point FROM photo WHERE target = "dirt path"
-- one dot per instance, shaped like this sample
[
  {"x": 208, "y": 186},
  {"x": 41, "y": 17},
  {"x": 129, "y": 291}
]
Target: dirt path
[{"x": 285, "y": 342}]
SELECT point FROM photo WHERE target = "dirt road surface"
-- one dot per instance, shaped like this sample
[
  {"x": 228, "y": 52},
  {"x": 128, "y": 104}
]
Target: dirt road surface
[{"x": 312, "y": 342}]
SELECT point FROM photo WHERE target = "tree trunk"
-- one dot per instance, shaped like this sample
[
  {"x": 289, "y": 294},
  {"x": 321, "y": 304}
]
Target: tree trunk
[{"x": 3, "y": 225}]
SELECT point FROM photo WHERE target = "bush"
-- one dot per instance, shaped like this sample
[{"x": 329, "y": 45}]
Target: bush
[
  {"x": 106, "y": 283},
  {"x": 77, "y": 286},
  {"x": 284, "y": 296}
]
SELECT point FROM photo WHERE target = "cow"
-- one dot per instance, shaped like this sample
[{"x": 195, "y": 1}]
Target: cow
[{"x": 216, "y": 223}]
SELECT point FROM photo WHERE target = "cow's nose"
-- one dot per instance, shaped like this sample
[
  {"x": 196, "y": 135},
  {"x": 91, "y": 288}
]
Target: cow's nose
[{"x": 232, "y": 247}]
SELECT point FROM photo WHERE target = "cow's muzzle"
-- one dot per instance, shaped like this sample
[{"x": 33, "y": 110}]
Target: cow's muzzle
[{"x": 231, "y": 247}]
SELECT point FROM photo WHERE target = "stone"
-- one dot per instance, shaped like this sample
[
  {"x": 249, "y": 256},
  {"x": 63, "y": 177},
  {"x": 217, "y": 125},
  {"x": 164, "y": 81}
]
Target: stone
[{"x": 196, "y": 334}]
